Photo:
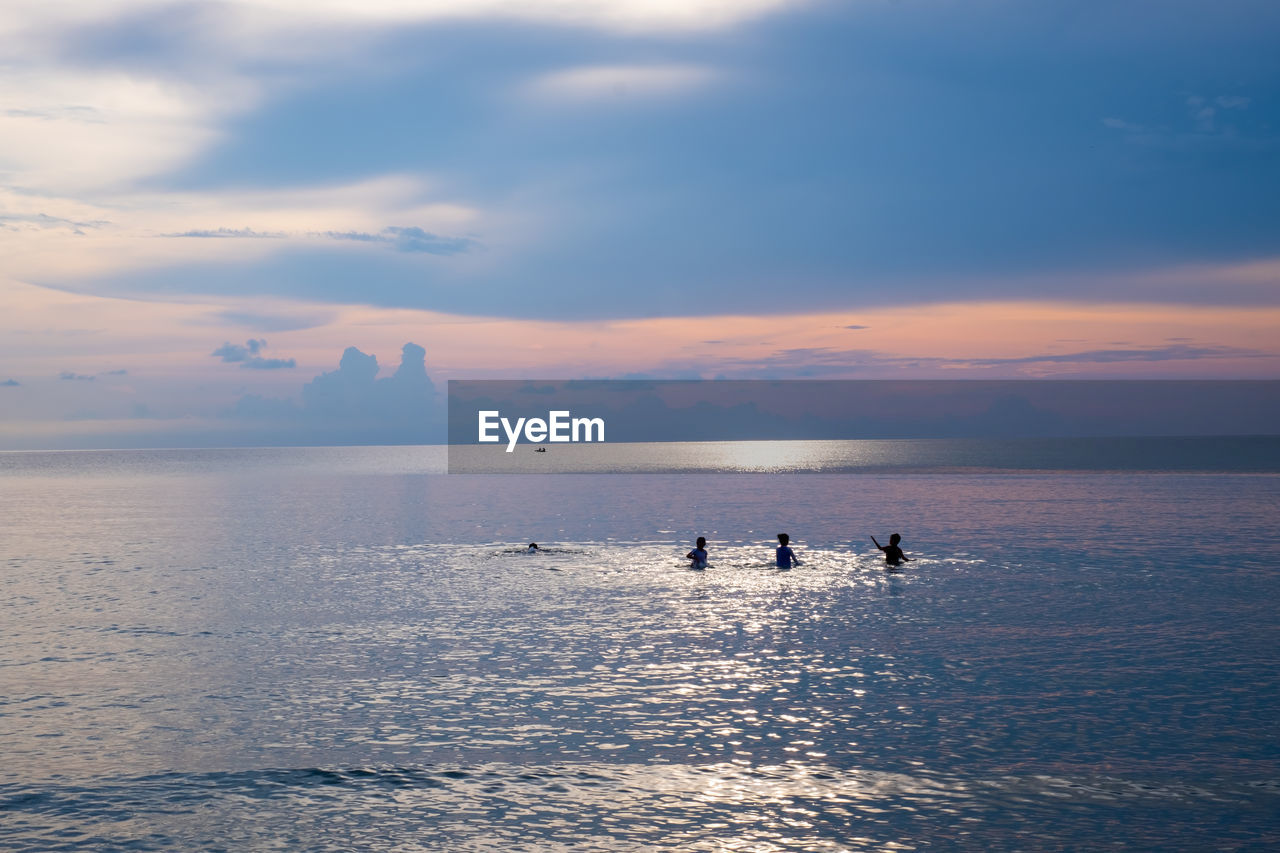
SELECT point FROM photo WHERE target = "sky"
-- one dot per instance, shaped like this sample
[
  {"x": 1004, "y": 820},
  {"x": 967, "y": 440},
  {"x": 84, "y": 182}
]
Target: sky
[{"x": 275, "y": 221}]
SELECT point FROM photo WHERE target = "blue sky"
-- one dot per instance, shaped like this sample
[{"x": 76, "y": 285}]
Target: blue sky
[{"x": 553, "y": 176}]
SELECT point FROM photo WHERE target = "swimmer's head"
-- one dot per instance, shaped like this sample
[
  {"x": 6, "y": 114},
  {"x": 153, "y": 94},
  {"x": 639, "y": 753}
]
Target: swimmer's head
[
  {"x": 533, "y": 546},
  {"x": 784, "y": 538},
  {"x": 702, "y": 541},
  {"x": 895, "y": 538}
]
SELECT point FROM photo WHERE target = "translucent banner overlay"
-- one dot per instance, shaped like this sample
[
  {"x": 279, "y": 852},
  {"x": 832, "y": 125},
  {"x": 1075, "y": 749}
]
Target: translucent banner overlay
[{"x": 602, "y": 426}]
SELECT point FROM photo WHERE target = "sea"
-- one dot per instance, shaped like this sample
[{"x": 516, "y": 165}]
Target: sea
[{"x": 348, "y": 648}]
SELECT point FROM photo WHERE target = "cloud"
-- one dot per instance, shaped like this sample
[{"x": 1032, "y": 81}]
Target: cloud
[
  {"x": 595, "y": 82},
  {"x": 240, "y": 233},
  {"x": 44, "y": 221},
  {"x": 262, "y": 25},
  {"x": 74, "y": 129},
  {"x": 402, "y": 239},
  {"x": 247, "y": 356},
  {"x": 88, "y": 235},
  {"x": 1202, "y": 126},
  {"x": 10, "y": 383},
  {"x": 269, "y": 363},
  {"x": 231, "y": 353},
  {"x": 274, "y": 322},
  {"x": 352, "y": 405},
  {"x": 1233, "y": 102},
  {"x": 118, "y": 372},
  {"x": 82, "y": 377},
  {"x": 407, "y": 239},
  {"x": 1121, "y": 124},
  {"x": 860, "y": 157},
  {"x": 810, "y": 362},
  {"x": 353, "y": 391},
  {"x": 1177, "y": 352},
  {"x": 417, "y": 240},
  {"x": 119, "y": 91}
]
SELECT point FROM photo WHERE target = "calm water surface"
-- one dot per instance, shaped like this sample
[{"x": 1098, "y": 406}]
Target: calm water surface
[{"x": 335, "y": 649}]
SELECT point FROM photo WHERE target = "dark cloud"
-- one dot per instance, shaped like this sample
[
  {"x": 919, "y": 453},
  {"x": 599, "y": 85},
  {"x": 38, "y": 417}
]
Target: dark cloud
[
  {"x": 247, "y": 356},
  {"x": 980, "y": 135},
  {"x": 269, "y": 363},
  {"x": 120, "y": 372},
  {"x": 417, "y": 240},
  {"x": 67, "y": 374},
  {"x": 10, "y": 383},
  {"x": 231, "y": 353},
  {"x": 855, "y": 328}
]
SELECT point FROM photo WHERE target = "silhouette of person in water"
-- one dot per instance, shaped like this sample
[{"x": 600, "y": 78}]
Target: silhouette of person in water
[
  {"x": 533, "y": 547},
  {"x": 786, "y": 557},
  {"x": 699, "y": 554},
  {"x": 892, "y": 553}
]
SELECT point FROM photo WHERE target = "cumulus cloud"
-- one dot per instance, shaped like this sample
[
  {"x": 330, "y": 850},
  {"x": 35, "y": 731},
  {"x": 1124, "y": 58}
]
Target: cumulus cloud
[
  {"x": 352, "y": 404},
  {"x": 248, "y": 356},
  {"x": 354, "y": 391}
]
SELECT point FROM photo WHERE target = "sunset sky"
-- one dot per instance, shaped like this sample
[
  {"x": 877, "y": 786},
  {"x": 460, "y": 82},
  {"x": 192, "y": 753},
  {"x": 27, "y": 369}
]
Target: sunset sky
[{"x": 204, "y": 204}]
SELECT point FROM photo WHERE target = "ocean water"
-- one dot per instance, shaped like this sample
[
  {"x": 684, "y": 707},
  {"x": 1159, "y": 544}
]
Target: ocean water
[{"x": 345, "y": 648}]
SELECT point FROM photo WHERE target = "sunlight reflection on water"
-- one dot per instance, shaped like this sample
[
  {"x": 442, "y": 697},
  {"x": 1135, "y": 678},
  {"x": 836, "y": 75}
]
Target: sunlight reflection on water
[{"x": 343, "y": 660}]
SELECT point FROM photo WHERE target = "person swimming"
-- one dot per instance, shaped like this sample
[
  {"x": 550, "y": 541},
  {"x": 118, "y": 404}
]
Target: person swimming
[
  {"x": 533, "y": 548},
  {"x": 786, "y": 557},
  {"x": 892, "y": 553},
  {"x": 699, "y": 554}
]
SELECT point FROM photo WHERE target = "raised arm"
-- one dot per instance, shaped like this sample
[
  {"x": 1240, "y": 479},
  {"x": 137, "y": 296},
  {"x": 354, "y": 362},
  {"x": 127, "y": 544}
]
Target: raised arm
[{"x": 878, "y": 545}]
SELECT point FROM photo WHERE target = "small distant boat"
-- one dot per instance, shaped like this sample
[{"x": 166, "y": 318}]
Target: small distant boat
[{"x": 540, "y": 450}]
